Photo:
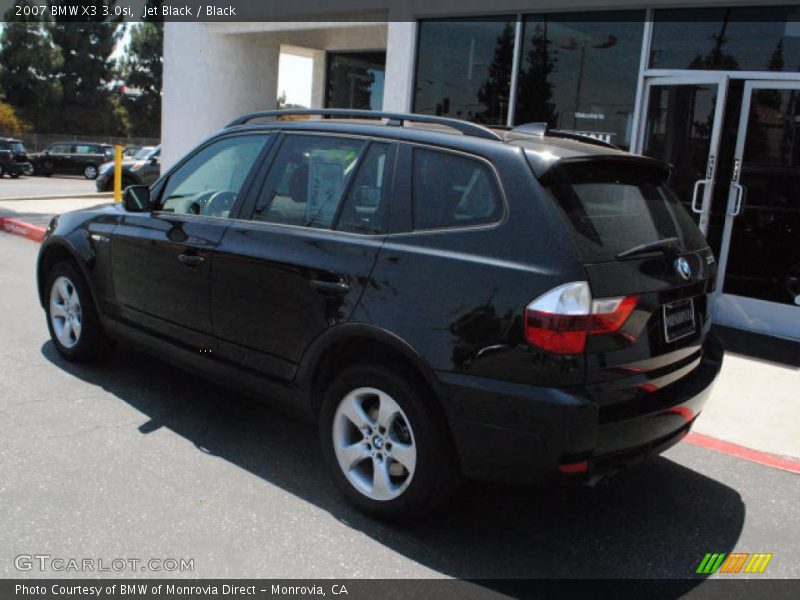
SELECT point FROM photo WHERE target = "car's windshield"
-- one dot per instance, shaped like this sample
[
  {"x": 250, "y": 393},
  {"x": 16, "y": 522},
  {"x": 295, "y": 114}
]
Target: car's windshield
[
  {"x": 144, "y": 153},
  {"x": 618, "y": 209}
]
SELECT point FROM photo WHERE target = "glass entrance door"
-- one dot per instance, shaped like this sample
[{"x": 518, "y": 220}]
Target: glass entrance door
[
  {"x": 759, "y": 283},
  {"x": 682, "y": 125}
]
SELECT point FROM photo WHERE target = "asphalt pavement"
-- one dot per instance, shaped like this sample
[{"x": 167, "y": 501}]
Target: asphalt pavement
[
  {"x": 134, "y": 458},
  {"x": 56, "y": 185}
]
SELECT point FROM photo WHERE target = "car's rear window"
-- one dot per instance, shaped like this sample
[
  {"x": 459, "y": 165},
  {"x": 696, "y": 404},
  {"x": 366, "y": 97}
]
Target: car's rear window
[{"x": 614, "y": 206}]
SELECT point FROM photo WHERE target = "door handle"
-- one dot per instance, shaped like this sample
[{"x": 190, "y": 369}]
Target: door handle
[
  {"x": 737, "y": 203},
  {"x": 191, "y": 260},
  {"x": 332, "y": 288},
  {"x": 695, "y": 195}
]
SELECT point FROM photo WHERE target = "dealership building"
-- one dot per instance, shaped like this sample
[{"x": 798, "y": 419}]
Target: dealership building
[{"x": 711, "y": 87}]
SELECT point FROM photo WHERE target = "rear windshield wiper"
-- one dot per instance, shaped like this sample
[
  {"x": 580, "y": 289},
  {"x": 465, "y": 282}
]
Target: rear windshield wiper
[{"x": 665, "y": 244}]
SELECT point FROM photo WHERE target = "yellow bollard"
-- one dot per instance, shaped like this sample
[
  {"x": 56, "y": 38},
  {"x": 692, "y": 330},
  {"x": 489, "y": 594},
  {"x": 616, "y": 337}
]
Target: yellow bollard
[{"x": 117, "y": 173}]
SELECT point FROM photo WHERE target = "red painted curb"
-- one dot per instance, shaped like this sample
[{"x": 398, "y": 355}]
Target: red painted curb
[
  {"x": 21, "y": 228},
  {"x": 763, "y": 458}
]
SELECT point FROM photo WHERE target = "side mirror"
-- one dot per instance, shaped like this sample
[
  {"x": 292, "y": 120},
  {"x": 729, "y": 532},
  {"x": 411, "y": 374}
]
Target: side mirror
[
  {"x": 136, "y": 198},
  {"x": 154, "y": 160}
]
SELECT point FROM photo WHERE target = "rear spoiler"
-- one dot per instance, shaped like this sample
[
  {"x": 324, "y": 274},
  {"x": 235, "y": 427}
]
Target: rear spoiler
[{"x": 546, "y": 170}]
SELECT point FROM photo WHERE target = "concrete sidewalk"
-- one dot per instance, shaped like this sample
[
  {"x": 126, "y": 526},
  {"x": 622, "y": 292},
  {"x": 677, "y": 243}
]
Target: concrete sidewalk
[
  {"x": 40, "y": 211},
  {"x": 755, "y": 402}
]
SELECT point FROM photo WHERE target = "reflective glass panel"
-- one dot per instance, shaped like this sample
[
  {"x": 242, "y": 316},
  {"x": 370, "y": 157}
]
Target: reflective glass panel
[{"x": 765, "y": 38}]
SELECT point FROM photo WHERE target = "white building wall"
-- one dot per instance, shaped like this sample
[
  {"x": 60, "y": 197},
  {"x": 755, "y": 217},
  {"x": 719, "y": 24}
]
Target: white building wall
[
  {"x": 209, "y": 79},
  {"x": 400, "y": 51},
  {"x": 214, "y": 72}
]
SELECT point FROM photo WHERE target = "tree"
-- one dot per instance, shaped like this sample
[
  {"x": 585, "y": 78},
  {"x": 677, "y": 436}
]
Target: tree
[
  {"x": 10, "y": 123},
  {"x": 494, "y": 93},
  {"x": 28, "y": 63},
  {"x": 141, "y": 70},
  {"x": 535, "y": 99},
  {"x": 86, "y": 44}
]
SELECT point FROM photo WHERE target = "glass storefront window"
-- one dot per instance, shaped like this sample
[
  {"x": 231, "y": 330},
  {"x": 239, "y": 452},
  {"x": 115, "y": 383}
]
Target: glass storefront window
[
  {"x": 464, "y": 69},
  {"x": 581, "y": 75},
  {"x": 764, "y": 38},
  {"x": 355, "y": 80}
]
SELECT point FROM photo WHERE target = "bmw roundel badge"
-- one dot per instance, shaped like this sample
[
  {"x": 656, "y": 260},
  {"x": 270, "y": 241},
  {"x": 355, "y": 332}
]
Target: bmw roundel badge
[{"x": 682, "y": 268}]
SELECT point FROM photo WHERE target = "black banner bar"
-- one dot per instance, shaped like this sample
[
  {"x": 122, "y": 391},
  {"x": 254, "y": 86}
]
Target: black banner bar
[{"x": 389, "y": 589}]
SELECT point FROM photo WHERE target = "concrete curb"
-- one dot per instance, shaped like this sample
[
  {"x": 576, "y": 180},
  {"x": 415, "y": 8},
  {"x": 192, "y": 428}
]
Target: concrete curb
[
  {"x": 23, "y": 229},
  {"x": 98, "y": 195}
]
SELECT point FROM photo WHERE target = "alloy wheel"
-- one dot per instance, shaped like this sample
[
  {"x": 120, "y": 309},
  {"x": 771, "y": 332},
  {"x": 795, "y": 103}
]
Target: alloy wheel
[
  {"x": 374, "y": 444},
  {"x": 65, "y": 312},
  {"x": 90, "y": 172}
]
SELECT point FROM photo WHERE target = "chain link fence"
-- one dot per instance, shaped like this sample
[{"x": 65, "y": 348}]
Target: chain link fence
[{"x": 36, "y": 142}]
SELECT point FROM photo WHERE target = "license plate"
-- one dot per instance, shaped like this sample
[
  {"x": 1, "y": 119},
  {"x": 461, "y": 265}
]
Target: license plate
[{"x": 678, "y": 320}]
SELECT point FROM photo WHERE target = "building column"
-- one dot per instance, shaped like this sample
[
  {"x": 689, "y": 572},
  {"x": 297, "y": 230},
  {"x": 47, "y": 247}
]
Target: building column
[
  {"x": 209, "y": 79},
  {"x": 401, "y": 41}
]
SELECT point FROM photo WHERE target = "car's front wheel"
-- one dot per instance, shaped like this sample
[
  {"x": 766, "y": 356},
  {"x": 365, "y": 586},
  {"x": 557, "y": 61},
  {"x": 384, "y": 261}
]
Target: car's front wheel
[
  {"x": 90, "y": 172},
  {"x": 74, "y": 325},
  {"x": 385, "y": 442}
]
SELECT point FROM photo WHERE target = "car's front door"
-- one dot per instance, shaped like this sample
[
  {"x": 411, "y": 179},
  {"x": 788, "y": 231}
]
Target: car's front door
[
  {"x": 300, "y": 263},
  {"x": 58, "y": 158},
  {"x": 161, "y": 261}
]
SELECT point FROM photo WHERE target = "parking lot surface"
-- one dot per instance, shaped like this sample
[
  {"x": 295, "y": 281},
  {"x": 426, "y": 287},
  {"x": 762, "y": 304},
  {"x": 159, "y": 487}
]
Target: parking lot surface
[
  {"x": 137, "y": 459},
  {"x": 57, "y": 185}
]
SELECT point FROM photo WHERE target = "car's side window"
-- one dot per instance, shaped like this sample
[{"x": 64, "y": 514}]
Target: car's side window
[
  {"x": 453, "y": 190},
  {"x": 60, "y": 149},
  {"x": 366, "y": 206},
  {"x": 307, "y": 180},
  {"x": 84, "y": 149},
  {"x": 210, "y": 181}
]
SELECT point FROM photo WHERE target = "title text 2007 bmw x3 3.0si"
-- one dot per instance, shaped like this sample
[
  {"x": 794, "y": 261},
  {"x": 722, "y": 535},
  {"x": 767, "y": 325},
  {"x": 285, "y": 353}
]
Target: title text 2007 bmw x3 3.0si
[{"x": 444, "y": 299}]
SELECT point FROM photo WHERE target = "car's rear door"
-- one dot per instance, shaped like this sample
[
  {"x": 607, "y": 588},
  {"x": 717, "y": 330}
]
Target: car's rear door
[
  {"x": 162, "y": 261},
  {"x": 300, "y": 260}
]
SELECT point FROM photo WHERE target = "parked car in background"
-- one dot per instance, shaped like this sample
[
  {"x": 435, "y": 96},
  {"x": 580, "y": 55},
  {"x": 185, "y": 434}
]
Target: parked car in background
[
  {"x": 142, "y": 169},
  {"x": 72, "y": 158},
  {"x": 13, "y": 158},
  {"x": 443, "y": 299},
  {"x": 131, "y": 150}
]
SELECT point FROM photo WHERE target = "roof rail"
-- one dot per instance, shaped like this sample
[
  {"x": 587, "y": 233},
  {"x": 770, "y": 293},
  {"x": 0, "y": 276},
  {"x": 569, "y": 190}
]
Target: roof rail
[
  {"x": 541, "y": 130},
  {"x": 393, "y": 119}
]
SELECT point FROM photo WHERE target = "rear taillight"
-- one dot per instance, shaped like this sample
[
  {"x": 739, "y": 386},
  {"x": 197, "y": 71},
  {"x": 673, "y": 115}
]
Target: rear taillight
[{"x": 561, "y": 320}]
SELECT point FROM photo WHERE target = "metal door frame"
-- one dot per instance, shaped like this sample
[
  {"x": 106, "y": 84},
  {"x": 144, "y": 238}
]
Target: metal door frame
[
  {"x": 684, "y": 78},
  {"x": 743, "y": 312}
]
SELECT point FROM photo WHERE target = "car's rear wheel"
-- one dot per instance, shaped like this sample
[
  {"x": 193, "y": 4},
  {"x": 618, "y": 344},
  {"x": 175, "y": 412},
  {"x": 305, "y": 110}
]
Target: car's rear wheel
[
  {"x": 2, "y": 171},
  {"x": 385, "y": 443},
  {"x": 74, "y": 325},
  {"x": 90, "y": 172}
]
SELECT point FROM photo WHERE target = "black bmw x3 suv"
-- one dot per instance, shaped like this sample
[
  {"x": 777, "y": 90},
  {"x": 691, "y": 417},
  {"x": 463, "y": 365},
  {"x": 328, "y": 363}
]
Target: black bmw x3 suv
[{"x": 444, "y": 299}]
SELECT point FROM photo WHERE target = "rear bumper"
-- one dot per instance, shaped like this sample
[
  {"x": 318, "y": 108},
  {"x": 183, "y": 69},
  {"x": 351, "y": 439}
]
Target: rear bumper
[{"x": 511, "y": 432}]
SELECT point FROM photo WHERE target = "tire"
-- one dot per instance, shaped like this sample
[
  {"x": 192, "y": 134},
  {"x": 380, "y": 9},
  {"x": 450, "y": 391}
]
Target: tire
[
  {"x": 90, "y": 172},
  {"x": 412, "y": 450},
  {"x": 72, "y": 319},
  {"x": 15, "y": 174},
  {"x": 2, "y": 172}
]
